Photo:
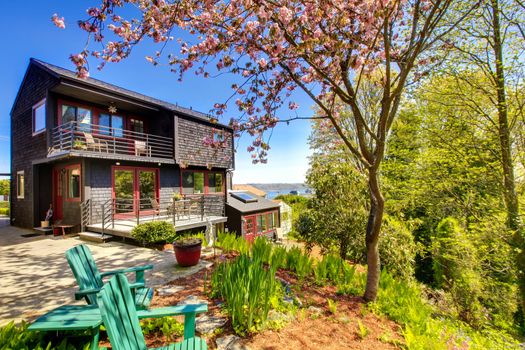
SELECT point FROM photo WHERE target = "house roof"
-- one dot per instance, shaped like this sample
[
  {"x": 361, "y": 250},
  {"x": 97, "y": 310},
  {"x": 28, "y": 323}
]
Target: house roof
[
  {"x": 250, "y": 188},
  {"x": 261, "y": 204},
  {"x": 63, "y": 73}
]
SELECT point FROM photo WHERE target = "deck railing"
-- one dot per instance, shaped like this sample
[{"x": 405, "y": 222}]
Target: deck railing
[
  {"x": 81, "y": 137},
  {"x": 132, "y": 212}
]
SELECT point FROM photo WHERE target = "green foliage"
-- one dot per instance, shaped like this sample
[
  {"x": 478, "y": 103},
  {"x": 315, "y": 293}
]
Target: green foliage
[
  {"x": 363, "y": 331},
  {"x": 230, "y": 242},
  {"x": 13, "y": 337},
  {"x": 167, "y": 326},
  {"x": 154, "y": 232},
  {"x": 4, "y": 204},
  {"x": 332, "y": 306},
  {"x": 249, "y": 291},
  {"x": 4, "y": 187},
  {"x": 305, "y": 229},
  {"x": 4, "y": 211},
  {"x": 299, "y": 204},
  {"x": 299, "y": 262}
]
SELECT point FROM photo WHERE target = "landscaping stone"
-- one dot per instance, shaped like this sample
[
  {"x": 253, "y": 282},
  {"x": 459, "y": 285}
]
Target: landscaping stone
[
  {"x": 208, "y": 324},
  {"x": 230, "y": 342},
  {"x": 192, "y": 300},
  {"x": 279, "y": 316},
  {"x": 170, "y": 290},
  {"x": 315, "y": 310}
]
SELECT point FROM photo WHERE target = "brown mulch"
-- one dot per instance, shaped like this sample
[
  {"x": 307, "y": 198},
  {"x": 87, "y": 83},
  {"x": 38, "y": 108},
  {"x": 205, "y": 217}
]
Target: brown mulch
[{"x": 307, "y": 331}]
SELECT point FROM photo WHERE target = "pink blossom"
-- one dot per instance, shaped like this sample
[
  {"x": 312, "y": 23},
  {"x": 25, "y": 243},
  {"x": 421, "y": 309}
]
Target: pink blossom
[{"x": 59, "y": 22}]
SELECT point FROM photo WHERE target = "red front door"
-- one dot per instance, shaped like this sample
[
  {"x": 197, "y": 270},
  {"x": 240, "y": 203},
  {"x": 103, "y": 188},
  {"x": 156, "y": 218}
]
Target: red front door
[
  {"x": 58, "y": 188},
  {"x": 250, "y": 228}
]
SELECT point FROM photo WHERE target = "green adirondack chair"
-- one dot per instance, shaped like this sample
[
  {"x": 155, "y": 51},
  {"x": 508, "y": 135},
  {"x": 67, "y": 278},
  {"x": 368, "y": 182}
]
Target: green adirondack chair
[
  {"x": 90, "y": 280},
  {"x": 121, "y": 319}
]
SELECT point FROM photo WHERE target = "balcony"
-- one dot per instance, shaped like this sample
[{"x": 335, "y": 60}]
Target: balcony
[{"x": 97, "y": 141}]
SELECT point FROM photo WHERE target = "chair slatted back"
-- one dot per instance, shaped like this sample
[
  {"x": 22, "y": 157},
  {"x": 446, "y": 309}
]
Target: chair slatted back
[
  {"x": 84, "y": 269},
  {"x": 117, "y": 308}
]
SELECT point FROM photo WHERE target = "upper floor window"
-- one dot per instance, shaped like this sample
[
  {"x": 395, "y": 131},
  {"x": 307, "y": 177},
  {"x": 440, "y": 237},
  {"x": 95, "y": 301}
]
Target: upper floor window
[
  {"x": 110, "y": 124},
  {"x": 136, "y": 125},
  {"x": 78, "y": 114},
  {"x": 20, "y": 184},
  {"x": 218, "y": 136},
  {"x": 39, "y": 117}
]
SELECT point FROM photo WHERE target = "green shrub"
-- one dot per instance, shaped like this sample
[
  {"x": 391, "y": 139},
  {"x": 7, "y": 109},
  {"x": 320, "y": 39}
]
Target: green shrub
[
  {"x": 4, "y": 211},
  {"x": 19, "y": 338},
  {"x": 249, "y": 291},
  {"x": 4, "y": 204},
  {"x": 168, "y": 326},
  {"x": 154, "y": 232}
]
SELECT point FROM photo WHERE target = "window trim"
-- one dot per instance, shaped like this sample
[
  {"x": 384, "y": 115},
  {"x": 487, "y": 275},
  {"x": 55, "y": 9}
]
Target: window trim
[
  {"x": 266, "y": 214},
  {"x": 37, "y": 105},
  {"x": 67, "y": 169},
  {"x": 20, "y": 194}
]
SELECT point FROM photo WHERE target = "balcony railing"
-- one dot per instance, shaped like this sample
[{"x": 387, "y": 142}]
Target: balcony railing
[{"x": 81, "y": 137}]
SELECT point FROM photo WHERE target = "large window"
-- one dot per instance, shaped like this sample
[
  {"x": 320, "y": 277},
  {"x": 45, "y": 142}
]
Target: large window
[
  {"x": 39, "y": 117},
  {"x": 78, "y": 114},
  {"x": 198, "y": 182},
  {"x": 215, "y": 182},
  {"x": 111, "y": 125},
  {"x": 267, "y": 221},
  {"x": 73, "y": 182},
  {"x": 192, "y": 182},
  {"x": 20, "y": 184}
]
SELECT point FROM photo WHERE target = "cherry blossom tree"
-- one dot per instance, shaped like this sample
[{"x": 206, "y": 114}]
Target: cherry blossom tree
[{"x": 323, "y": 48}]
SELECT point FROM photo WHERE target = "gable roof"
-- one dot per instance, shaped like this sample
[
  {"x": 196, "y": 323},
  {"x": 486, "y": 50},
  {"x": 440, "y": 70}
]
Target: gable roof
[{"x": 67, "y": 74}]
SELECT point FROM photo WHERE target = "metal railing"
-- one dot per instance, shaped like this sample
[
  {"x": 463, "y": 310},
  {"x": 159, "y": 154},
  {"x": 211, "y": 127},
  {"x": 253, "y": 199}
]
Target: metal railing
[
  {"x": 131, "y": 212},
  {"x": 107, "y": 140},
  {"x": 85, "y": 214}
]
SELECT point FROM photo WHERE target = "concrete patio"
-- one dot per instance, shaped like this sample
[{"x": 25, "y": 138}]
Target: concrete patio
[{"x": 36, "y": 278}]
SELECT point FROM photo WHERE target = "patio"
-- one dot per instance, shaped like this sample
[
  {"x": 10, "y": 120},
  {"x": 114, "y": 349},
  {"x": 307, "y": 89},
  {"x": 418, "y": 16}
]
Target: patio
[{"x": 36, "y": 277}]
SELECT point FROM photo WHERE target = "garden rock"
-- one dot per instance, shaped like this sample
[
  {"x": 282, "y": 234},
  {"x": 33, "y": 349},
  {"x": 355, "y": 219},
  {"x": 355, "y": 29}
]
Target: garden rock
[
  {"x": 278, "y": 316},
  {"x": 230, "y": 342},
  {"x": 208, "y": 324},
  {"x": 169, "y": 290},
  {"x": 315, "y": 310},
  {"x": 192, "y": 300}
]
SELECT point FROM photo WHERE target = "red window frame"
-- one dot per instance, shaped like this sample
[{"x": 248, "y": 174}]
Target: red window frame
[
  {"x": 266, "y": 214},
  {"x": 136, "y": 189},
  {"x": 67, "y": 168},
  {"x": 206, "y": 180},
  {"x": 95, "y": 114}
]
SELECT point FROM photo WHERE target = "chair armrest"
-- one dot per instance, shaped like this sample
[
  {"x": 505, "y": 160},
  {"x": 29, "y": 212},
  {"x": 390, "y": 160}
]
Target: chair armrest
[
  {"x": 172, "y": 311},
  {"x": 131, "y": 269},
  {"x": 82, "y": 293},
  {"x": 189, "y": 312}
]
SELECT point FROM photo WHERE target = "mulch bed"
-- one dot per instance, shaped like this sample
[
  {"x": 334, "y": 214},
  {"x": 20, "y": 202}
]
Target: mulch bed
[{"x": 308, "y": 331}]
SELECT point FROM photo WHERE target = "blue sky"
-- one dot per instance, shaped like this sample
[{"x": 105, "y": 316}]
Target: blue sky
[{"x": 28, "y": 32}]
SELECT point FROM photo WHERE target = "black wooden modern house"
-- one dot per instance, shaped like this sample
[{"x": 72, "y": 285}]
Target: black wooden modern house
[{"x": 108, "y": 158}]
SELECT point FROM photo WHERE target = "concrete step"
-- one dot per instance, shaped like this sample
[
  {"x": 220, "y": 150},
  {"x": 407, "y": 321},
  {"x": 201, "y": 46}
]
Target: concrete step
[{"x": 94, "y": 237}]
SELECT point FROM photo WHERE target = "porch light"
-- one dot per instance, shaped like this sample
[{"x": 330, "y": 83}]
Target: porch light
[
  {"x": 117, "y": 163},
  {"x": 112, "y": 108}
]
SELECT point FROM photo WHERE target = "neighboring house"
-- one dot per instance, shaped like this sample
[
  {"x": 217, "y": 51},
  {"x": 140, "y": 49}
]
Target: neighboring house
[
  {"x": 285, "y": 219},
  {"x": 251, "y": 216},
  {"x": 251, "y": 189},
  {"x": 108, "y": 158}
]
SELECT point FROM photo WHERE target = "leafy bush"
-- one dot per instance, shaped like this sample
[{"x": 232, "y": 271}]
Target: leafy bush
[
  {"x": 4, "y": 211},
  {"x": 4, "y": 204},
  {"x": 249, "y": 291},
  {"x": 19, "y": 338},
  {"x": 168, "y": 326},
  {"x": 154, "y": 232}
]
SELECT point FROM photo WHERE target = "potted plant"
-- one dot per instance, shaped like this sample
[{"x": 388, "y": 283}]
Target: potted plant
[
  {"x": 78, "y": 144},
  {"x": 177, "y": 196},
  {"x": 187, "y": 251}
]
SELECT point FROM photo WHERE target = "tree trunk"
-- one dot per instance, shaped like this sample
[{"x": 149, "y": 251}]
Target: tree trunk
[
  {"x": 509, "y": 183},
  {"x": 373, "y": 228}
]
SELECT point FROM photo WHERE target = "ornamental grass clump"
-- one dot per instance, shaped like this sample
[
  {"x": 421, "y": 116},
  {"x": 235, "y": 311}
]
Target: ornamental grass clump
[
  {"x": 299, "y": 262},
  {"x": 229, "y": 242},
  {"x": 249, "y": 291}
]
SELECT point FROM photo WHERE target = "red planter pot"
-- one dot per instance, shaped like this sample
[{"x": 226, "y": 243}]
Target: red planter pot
[{"x": 188, "y": 251}]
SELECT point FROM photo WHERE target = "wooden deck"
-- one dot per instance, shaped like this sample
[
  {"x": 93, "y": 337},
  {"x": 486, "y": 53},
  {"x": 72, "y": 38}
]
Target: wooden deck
[{"x": 123, "y": 227}]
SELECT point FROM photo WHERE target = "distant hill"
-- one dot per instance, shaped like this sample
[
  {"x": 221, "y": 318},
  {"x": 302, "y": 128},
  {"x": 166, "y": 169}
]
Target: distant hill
[{"x": 274, "y": 189}]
